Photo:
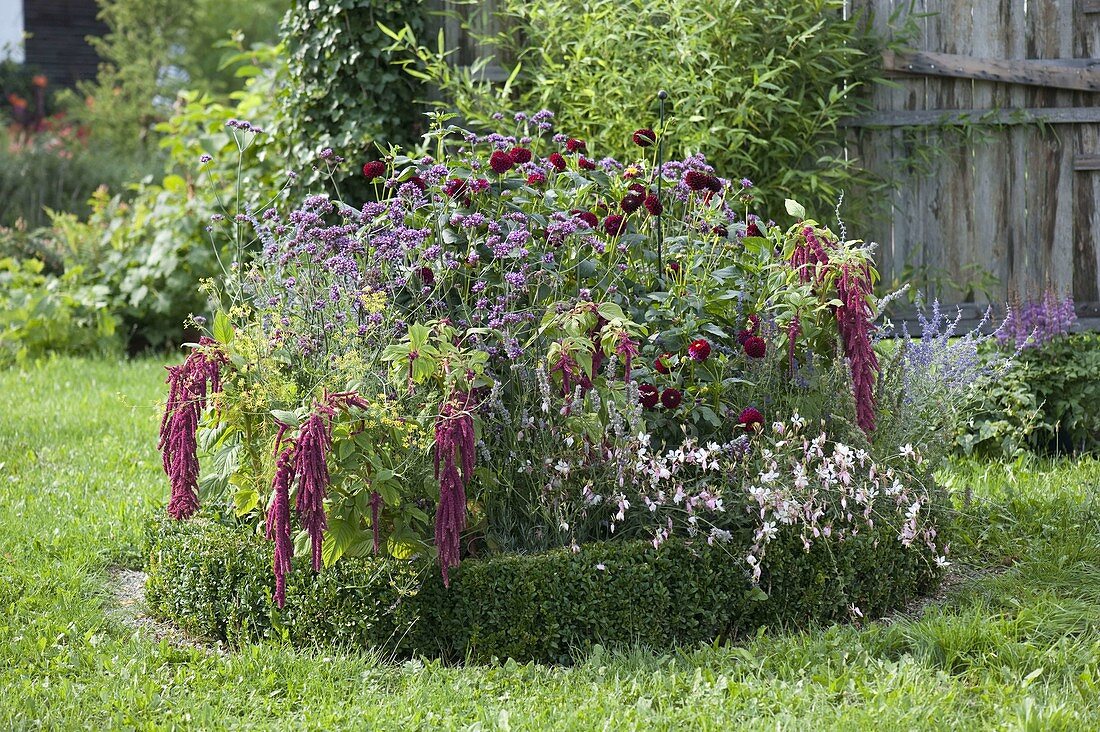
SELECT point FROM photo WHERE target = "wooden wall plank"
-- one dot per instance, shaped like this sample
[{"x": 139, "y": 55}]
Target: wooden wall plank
[
  {"x": 1086, "y": 141},
  {"x": 942, "y": 117},
  {"x": 1084, "y": 75}
]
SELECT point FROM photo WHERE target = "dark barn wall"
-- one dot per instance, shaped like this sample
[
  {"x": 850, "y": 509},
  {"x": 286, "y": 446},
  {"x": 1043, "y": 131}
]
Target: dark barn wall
[{"x": 56, "y": 45}]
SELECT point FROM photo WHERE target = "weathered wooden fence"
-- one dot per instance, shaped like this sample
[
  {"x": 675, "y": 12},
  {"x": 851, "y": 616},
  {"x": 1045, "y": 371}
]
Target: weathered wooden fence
[{"x": 1021, "y": 197}]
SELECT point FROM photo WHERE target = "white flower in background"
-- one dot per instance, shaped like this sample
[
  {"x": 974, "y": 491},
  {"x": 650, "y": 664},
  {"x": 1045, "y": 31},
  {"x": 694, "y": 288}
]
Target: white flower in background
[{"x": 719, "y": 535}]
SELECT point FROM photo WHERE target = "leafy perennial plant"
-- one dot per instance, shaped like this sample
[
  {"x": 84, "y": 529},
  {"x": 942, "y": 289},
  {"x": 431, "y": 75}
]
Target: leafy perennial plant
[{"x": 518, "y": 345}]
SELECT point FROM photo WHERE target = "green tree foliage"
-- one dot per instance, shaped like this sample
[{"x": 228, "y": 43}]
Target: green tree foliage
[
  {"x": 343, "y": 91},
  {"x": 156, "y": 48}
]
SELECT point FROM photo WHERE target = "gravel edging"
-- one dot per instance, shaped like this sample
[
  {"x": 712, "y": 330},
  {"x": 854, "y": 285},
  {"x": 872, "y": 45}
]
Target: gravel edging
[{"x": 127, "y": 605}]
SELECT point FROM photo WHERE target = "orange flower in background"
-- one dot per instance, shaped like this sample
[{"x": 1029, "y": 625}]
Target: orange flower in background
[
  {"x": 40, "y": 81},
  {"x": 17, "y": 101}
]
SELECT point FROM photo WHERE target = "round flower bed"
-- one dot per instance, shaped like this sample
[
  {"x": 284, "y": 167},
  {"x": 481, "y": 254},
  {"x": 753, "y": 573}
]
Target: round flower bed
[
  {"x": 215, "y": 580},
  {"x": 523, "y": 360}
]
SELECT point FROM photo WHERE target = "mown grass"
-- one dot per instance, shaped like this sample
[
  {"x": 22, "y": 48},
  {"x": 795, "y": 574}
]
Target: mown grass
[{"x": 1018, "y": 650}]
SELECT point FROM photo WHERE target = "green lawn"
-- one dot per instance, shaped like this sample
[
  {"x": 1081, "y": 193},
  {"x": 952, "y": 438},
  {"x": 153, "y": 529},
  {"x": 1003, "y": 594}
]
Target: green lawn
[{"x": 78, "y": 468}]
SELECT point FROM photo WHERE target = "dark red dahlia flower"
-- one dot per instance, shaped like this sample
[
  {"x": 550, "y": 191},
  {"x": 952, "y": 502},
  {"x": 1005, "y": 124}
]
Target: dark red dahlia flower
[
  {"x": 720, "y": 231},
  {"x": 520, "y": 155},
  {"x": 699, "y": 350},
  {"x": 614, "y": 224},
  {"x": 417, "y": 181},
  {"x": 557, "y": 161},
  {"x": 755, "y": 347},
  {"x": 455, "y": 187},
  {"x": 750, "y": 417},
  {"x": 648, "y": 395},
  {"x": 426, "y": 275},
  {"x": 653, "y": 205},
  {"x": 671, "y": 398},
  {"x": 753, "y": 230},
  {"x": 631, "y": 202},
  {"x": 500, "y": 162},
  {"x": 663, "y": 363},
  {"x": 695, "y": 180},
  {"x": 644, "y": 137},
  {"x": 585, "y": 164},
  {"x": 575, "y": 145},
  {"x": 536, "y": 179},
  {"x": 587, "y": 217},
  {"x": 374, "y": 169},
  {"x": 674, "y": 268}
]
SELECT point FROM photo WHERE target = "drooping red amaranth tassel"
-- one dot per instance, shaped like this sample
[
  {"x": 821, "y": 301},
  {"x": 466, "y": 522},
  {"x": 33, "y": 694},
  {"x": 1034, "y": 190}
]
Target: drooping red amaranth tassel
[
  {"x": 189, "y": 384},
  {"x": 311, "y": 467},
  {"x": 853, "y": 320},
  {"x": 806, "y": 256},
  {"x": 454, "y": 441},
  {"x": 278, "y": 522}
]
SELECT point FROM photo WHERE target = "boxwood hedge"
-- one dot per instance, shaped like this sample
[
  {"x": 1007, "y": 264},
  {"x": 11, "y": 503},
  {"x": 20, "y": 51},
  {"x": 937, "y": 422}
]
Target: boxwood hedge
[{"x": 215, "y": 580}]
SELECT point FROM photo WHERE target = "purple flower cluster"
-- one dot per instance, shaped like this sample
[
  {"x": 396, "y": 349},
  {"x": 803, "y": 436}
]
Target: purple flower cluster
[{"x": 1037, "y": 321}]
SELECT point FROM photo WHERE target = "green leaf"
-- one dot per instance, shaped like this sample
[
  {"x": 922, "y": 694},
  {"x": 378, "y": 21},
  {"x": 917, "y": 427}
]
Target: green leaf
[
  {"x": 245, "y": 500},
  {"x": 337, "y": 539},
  {"x": 290, "y": 419},
  {"x": 223, "y": 330},
  {"x": 794, "y": 208}
]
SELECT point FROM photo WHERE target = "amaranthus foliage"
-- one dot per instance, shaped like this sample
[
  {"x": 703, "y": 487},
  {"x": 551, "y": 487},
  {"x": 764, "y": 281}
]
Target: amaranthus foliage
[{"x": 520, "y": 344}]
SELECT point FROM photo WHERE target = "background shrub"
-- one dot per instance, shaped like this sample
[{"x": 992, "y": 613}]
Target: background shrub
[
  {"x": 342, "y": 91},
  {"x": 1049, "y": 402},
  {"x": 42, "y": 313},
  {"x": 216, "y": 580},
  {"x": 153, "y": 244},
  {"x": 760, "y": 86},
  {"x": 154, "y": 49}
]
